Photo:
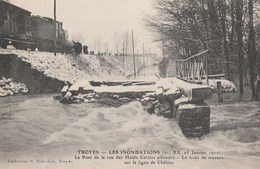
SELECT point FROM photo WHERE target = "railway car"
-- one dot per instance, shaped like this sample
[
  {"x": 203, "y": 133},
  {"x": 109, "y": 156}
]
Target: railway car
[
  {"x": 22, "y": 30},
  {"x": 15, "y": 26},
  {"x": 44, "y": 34}
]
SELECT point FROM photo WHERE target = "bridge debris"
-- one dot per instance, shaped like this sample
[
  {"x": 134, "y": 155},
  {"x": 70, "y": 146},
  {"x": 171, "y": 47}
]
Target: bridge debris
[{"x": 168, "y": 97}]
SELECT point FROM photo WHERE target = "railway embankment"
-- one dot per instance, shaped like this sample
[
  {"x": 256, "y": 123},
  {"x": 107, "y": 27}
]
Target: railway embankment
[{"x": 42, "y": 72}]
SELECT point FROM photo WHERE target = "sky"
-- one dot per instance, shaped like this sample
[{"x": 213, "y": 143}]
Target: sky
[{"x": 97, "y": 21}]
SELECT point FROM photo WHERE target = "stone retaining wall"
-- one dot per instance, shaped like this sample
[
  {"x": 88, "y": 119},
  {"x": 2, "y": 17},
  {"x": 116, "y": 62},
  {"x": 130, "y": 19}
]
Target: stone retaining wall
[
  {"x": 21, "y": 72},
  {"x": 194, "y": 119}
]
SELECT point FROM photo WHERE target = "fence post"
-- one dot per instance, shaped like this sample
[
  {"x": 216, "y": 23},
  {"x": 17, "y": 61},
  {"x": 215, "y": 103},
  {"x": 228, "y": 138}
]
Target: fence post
[
  {"x": 207, "y": 69},
  {"x": 220, "y": 94}
]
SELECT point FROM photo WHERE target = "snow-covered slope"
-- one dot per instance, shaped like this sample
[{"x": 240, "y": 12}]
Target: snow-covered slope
[{"x": 72, "y": 68}]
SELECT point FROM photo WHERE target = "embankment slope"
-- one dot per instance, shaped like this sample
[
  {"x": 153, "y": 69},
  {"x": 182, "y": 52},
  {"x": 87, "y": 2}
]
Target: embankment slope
[{"x": 43, "y": 72}]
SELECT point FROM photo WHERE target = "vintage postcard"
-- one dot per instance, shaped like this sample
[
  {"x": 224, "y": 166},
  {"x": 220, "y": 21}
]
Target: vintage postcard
[{"x": 128, "y": 84}]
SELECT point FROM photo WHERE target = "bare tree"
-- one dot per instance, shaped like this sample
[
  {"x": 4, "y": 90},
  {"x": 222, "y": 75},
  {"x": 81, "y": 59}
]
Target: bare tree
[
  {"x": 251, "y": 48},
  {"x": 225, "y": 27},
  {"x": 239, "y": 31}
]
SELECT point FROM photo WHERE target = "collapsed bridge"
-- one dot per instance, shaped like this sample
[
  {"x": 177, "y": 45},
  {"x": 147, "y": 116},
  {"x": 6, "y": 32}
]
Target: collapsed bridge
[
  {"x": 168, "y": 97},
  {"x": 181, "y": 98}
]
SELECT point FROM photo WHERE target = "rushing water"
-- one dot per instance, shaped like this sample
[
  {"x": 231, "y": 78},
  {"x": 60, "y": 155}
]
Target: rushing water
[{"x": 41, "y": 127}]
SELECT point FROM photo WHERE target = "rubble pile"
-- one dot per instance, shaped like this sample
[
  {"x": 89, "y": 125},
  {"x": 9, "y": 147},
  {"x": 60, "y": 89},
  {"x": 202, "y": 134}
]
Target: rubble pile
[
  {"x": 9, "y": 88},
  {"x": 156, "y": 97},
  {"x": 168, "y": 97}
]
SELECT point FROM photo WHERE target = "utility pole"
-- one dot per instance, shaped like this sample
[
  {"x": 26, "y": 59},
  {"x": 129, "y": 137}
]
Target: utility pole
[
  {"x": 133, "y": 52},
  {"x": 143, "y": 59},
  {"x": 98, "y": 47},
  {"x": 124, "y": 53},
  {"x": 107, "y": 49},
  {"x": 55, "y": 29}
]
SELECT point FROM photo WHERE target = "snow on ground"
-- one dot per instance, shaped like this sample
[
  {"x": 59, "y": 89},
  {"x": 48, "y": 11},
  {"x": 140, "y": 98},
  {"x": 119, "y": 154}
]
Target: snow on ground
[
  {"x": 171, "y": 85},
  {"x": 7, "y": 87},
  {"x": 227, "y": 86},
  {"x": 71, "y": 68},
  {"x": 123, "y": 89}
]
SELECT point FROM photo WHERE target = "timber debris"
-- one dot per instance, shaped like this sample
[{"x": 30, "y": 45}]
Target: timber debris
[{"x": 168, "y": 97}]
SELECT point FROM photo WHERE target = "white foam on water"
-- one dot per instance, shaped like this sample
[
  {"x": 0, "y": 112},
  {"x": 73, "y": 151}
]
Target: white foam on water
[
  {"x": 124, "y": 127},
  {"x": 42, "y": 127}
]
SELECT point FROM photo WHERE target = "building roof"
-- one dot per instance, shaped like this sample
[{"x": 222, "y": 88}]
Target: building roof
[
  {"x": 44, "y": 18},
  {"x": 9, "y": 3}
]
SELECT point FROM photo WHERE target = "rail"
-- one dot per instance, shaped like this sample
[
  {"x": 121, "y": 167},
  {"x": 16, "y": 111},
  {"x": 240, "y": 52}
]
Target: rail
[{"x": 194, "y": 68}]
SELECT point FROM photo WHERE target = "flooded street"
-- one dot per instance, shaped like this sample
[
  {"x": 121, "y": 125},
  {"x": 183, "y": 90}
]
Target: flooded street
[{"x": 41, "y": 127}]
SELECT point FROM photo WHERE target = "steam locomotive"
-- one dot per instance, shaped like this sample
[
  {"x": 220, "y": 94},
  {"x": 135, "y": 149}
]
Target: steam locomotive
[{"x": 19, "y": 28}]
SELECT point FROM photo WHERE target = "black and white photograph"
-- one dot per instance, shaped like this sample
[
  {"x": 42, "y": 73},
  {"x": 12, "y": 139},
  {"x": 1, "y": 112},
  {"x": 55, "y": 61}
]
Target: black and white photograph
[{"x": 129, "y": 84}]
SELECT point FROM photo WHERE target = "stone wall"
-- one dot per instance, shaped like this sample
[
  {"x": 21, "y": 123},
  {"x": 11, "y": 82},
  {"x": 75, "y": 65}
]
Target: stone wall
[
  {"x": 21, "y": 72},
  {"x": 194, "y": 119}
]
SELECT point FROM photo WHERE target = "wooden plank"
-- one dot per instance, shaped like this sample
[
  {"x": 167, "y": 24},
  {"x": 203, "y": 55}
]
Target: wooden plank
[
  {"x": 193, "y": 92},
  {"x": 193, "y": 56},
  {"x": 216, "y": 76}
]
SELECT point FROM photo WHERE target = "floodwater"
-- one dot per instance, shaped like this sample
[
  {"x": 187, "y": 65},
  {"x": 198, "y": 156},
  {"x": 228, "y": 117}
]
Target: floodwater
[{"x": 39, "y": 127}]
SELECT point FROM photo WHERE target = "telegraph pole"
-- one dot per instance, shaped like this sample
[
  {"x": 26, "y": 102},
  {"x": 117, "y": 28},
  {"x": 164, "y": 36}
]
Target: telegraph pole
[
  {"x": 106, "y": 49},
  {"x": 55, "y": 29},
  {"x": 143, "y": 60},
  {"x": 124, "y": 53},
  {"x": 133, "y": 52}
]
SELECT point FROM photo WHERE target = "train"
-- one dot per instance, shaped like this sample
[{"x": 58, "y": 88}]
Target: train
[{"x": 25, "y": 31}]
